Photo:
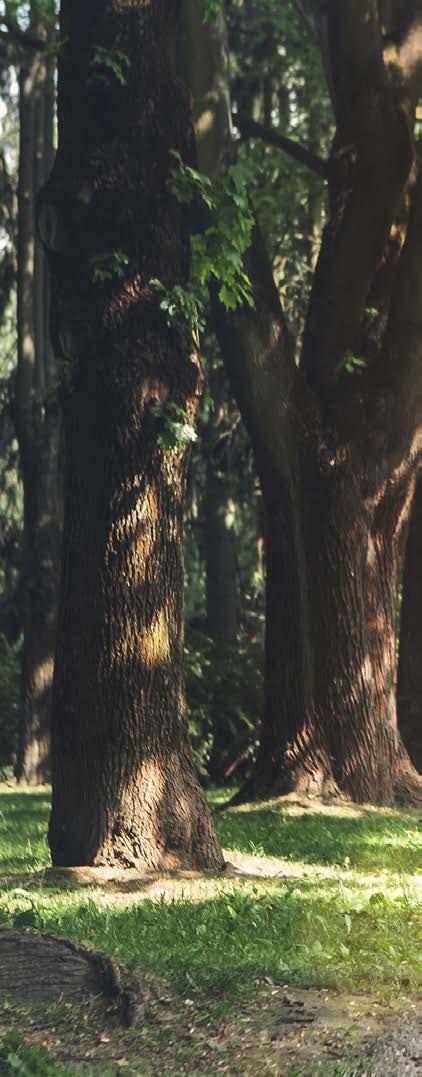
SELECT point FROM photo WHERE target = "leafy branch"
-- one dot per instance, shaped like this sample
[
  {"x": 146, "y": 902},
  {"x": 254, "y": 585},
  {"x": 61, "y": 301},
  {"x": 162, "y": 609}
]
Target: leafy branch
[
  {"x": 109, "y": 63},
  {"x": 217, "y": 253},
  {"x": 211, "y": 11},
  {"x": 175, "y": 426},
  {"x": 108, "y": 265},
  {"x": 181, "y": 306},
  {"x": 352, "y": 364}
]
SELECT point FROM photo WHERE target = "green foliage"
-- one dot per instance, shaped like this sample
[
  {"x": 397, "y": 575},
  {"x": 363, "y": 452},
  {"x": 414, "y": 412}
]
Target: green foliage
[
  {"x": 224, "y": 688},
  {"x": 352, "y": 364},
  {"x": 186, "y": 183},
  {"x": 174, "y": 425},
  {"x": 108, "y": 265},
  {"x": 217, "y": 252},
  {"x": 108, "y": 64},
  {"x": 277, "y": 80},
  {"x": 9, "y": 698},
  {"x": 23, "y": 1058},
  {"x": 182, "y": 307},
  {"x": 211, "y": 11}
]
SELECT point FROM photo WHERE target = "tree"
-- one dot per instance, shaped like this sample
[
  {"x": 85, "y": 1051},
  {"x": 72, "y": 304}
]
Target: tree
[
  {"x": 337, "y": 438},
  {"x": 124, "y": 785},
  {"x": 222, "y": 583},
  {"x": 36, "y": 410},
  {"x": 409, "y": 677}
]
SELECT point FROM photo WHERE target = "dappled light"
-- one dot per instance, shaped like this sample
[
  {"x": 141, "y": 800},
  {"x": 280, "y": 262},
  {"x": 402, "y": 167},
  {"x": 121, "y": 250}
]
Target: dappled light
[
  {"x": 210, "y": 537},
  {"x": 340, "y": 908},
  {"x": 315, "y": 833}
]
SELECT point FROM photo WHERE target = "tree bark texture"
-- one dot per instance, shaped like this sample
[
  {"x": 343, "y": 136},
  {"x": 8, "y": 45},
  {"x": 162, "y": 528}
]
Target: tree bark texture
[
  {"x": 338, "y": 444},
  {"x": 124, "y": 785},
  {"x": 37, "y": 424},
  {"x": 409, "y": 679}
]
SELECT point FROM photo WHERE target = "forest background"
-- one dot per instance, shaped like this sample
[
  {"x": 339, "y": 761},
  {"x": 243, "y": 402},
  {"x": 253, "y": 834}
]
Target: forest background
[
  {"x": 283, "y": 125},
  {"x": 302, "y": 517}
]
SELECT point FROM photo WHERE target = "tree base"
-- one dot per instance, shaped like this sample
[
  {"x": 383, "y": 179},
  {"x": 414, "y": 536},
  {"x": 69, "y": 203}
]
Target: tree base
[
  {"x": 39, "y": 970},
  {"x": 406, "y": 787},
  {"x": 161, "y": 822}
]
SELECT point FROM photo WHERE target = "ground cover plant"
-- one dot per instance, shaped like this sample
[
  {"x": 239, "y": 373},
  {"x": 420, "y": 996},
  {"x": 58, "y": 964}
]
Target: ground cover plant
[{"x": 327, "y": 899}]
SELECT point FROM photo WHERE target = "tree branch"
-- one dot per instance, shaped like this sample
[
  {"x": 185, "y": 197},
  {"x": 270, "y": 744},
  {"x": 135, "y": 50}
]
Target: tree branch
[
  {"x": 373, "y": 158},
  {"x": 22, "y": 38},
  {"x": 250, "y": 129},
  {"x": 257, "y": 353},
  {"x": 401, "y": 358}
]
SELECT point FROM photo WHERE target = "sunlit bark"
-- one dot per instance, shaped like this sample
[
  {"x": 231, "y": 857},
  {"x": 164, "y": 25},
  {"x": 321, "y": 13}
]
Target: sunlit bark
[{"x": 124, "y": 785}]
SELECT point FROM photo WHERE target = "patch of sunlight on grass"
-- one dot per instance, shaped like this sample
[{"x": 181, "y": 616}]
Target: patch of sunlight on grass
[
  {"x": 219, "y": 935},
  {"x": 311, "y": 832}
]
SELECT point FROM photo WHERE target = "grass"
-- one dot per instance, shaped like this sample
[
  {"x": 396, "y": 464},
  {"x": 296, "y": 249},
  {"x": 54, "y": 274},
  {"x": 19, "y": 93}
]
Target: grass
[{"x": 341, "y": 909}]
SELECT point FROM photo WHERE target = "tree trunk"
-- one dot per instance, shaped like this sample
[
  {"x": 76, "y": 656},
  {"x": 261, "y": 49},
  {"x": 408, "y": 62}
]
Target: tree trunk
[
  {"x": 409, "y": 679},
  {"x": 222, "y": 590},
  {"x": 222, "y": 585},
  {"x": 330, "y": 720},
  {"x": 37, "y": 424},
  {"x": 124, "y": 785},
  {"x": 336, "y": 450}
]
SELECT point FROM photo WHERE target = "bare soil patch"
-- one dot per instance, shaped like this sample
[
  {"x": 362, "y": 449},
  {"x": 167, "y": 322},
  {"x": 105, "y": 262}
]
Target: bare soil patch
[{"x": 280, "y": 1031}]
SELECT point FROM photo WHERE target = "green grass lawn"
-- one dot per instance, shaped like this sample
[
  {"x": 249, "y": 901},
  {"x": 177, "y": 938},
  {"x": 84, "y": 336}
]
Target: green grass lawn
[{"x": 340, "y": 908}]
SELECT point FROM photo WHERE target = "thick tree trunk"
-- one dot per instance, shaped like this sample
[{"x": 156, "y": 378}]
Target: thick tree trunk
[
  {"x": 409, "y": 678},
  {"x": 336, "y": 453},
  {"x": 37, "y": 424},
  {"x": 124, "y": 785},
  {"x": 330, "y": 720}
]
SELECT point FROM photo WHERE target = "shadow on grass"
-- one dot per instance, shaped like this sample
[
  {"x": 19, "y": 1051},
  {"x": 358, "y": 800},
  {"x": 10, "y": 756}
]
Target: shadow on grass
[
  {"x": 366, "y": 842},
  {"x": 228, "y": 942},
  {"x": 301, "y": 931},
  {"x": 390, "y": 841},
  {"x": 23, "y": 831}
]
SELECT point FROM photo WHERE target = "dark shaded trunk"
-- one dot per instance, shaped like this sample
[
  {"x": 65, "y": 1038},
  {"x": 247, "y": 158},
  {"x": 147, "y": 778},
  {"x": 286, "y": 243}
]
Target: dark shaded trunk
[
  {"x": 222, "y": 584},
  {"x": 337, "y": 508},
  {"x": 337, "y": 441},
  {"x": 330, "y": 719},
  {"x": 409, "y": 678},
  {"x": 222, "y": 591},
  {"x": 124, "y": 785},
  {"x": 37, "y": 424}
]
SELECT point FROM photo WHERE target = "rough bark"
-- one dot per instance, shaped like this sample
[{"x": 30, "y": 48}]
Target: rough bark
[
  {"x": 124, "y": 786},
  {"x": 337, "y": 452},
  {"x": 37, "y": 424},
  {"x": 409, "y": 679},
  {"x": 40, "y": 970}
]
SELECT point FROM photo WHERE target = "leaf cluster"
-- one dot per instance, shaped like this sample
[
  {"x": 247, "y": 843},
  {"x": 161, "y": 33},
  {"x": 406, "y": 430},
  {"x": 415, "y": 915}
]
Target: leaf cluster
[
  {"x": 25, "y": 1059},
  {"x": 108, "y": 265},
  {"x": 175, "y": 426},
  {"x": 108, "y": 64},
  {"x": 217, "y": 252},
  {"x": 181, "y": 306},
  {"x": 211, "y": 11}
]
